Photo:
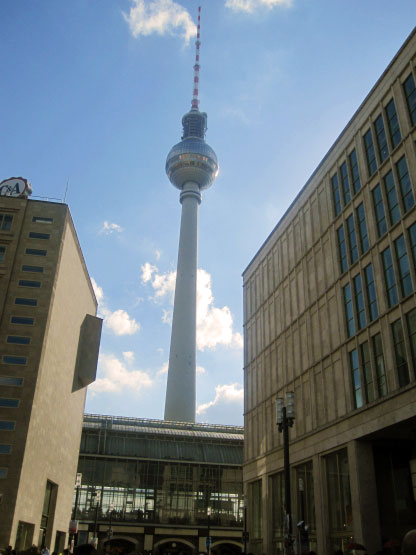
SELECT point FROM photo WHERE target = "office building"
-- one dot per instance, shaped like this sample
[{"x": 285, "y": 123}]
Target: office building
[
  {"x": 164, "y": 486},
  {"x": 49, "y": 338},
  {"x": 330, "y": 314}
]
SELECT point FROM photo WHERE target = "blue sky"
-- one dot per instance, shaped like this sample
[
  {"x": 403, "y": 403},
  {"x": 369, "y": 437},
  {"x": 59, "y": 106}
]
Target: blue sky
[{"x": 93, "y": 92}]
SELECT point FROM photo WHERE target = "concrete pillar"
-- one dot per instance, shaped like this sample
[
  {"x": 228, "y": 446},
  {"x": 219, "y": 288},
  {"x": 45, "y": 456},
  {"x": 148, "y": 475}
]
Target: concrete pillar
[
  {"x": 365, "y": 513},
  {"x": 321, "y": 505},
  {"x": 181, "y": 388}
]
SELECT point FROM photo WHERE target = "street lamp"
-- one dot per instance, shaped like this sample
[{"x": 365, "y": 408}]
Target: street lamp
[
  {"x": 209, "y": 541},
  {"x": 285, "y": 416}
]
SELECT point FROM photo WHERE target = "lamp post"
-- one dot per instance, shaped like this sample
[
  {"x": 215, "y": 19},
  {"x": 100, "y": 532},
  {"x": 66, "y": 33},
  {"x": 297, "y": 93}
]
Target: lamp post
[
  {"x": 208, "y": 541},
  {"x": 97, "y": 499},
  {"x": 285, "y": 416}
]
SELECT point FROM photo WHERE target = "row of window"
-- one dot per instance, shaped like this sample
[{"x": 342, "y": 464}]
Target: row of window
[
  {"x": 367, "y": 362},
  {"x": 360, "y": 300},
  {"x": 349, "y": 247},
  {"x": 346, "y": 181},
  {"x": 6, "y": 221}
]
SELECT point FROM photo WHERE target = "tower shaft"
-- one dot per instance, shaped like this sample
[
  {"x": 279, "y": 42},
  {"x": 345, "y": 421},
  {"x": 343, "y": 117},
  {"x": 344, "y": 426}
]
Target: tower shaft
[{"x": 181, "y": 389}]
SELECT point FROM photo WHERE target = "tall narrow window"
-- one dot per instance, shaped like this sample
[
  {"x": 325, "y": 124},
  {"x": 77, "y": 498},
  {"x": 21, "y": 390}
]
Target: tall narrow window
[
  {"x": 393, "y": 124},
  {"x": 370, "y": 153},
  {"x": 405, "y": 184},
  {"x": 356, "y": 381},
  {"x": 349, "y": 311},
  {"x": 389, "y": 277},
  {"x": 411, "y": 326},
  {"x": 400, "y": 353},
  {"x": 392, "y": 200},
  {"x": 355, "y": 174},
  {"x": 379, "y": 210},
  {"x": 371, "y": 292},
  {"x": 346, "y": 193},
  {"x": 342, "y": 248},
  {"x": 383, "y": 149},
  {"x": 412, "y": 238},
  {"x": 403, "y": 264},
  {"x": 410, "y": 92},
  {"x": 380, "y": 367},
  {"x": 359, "y": 302},
  {"x": 362, "y": 228},
  {"x": 2, "y": 253},
  {"x": 5, "y": 222},
  {"x": 352, "y": 239},
  {"x": 335, "y": 194},
  {"x": 368, "y": 376}
]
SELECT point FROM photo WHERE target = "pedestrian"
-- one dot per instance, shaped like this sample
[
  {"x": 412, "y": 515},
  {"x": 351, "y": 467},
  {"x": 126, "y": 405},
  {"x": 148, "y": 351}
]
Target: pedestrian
[
  {"x": 409, "y": 543},
  {"x": 45, "y": 551}
]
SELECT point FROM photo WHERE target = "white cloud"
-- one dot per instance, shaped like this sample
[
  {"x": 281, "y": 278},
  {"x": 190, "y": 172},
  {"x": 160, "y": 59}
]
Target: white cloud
[
  {"x": 119, "y": 321},
  {"x": 164, "y": 17},
  {"x": 115, "y": 377},
  {"x": 214, "y": 325},
  {"x": 200, "y": 370},
  {"x": 249, "y": 6},
  {"x": 224, "y": 394},
  {"x": 109, "y": 228},
  {"x": 163, "y": 370},
  {"x": 128, "y": 356},
  {"x": 158, "y": 254}
]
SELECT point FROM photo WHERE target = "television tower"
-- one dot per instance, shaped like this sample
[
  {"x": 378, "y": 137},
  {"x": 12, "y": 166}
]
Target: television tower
[{"x": 191, "y": 166}]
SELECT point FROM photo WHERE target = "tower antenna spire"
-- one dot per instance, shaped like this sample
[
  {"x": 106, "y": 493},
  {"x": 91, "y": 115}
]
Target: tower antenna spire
[{"x": 195, "y": 99}]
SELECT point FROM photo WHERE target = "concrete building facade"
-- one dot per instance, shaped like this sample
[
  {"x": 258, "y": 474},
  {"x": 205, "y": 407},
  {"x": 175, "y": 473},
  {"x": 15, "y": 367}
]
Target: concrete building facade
[
  {"x": 330, "y": 314},
  {"x": 164, "y": 487},
  {"x": 49, "y": 339}
]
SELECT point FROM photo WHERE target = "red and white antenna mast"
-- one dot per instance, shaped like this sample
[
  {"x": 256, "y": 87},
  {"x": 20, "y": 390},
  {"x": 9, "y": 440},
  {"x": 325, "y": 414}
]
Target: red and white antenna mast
[{"x": 195, "y": 100}]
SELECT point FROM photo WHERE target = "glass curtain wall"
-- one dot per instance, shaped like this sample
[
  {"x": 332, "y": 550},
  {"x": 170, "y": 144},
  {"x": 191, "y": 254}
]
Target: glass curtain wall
[{"x": 160, "y": 492}]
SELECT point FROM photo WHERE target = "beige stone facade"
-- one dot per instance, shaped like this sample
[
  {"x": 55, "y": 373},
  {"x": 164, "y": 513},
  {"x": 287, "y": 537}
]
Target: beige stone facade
[
  {"x": 45, "y": 297},
  {"x": 329, "y": 304}
]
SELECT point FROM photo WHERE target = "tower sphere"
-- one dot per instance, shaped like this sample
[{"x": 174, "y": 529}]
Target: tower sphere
[{"x": 192, "y": 159}]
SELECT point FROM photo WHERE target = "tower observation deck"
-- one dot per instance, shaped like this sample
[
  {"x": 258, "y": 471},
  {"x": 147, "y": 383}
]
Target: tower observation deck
[{"x": 191, "y": 166}]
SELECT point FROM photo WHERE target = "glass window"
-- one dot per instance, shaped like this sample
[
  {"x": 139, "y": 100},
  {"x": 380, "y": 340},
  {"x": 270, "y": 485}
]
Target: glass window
[
  {"x": 305, "y": 499},
  {"x": 359, "y": 302},
  {"x": 5, "y": 222},
  {"x": 22, "y": 320},
  {"x": 42, "y": 220},
  {"x": 389, "y": 277},
  {"x": 403, "y": 264},
  {"x": 339, "y": 497},
  {"x": 11, "y": 381},
  {"x": 5, "y": 449},
  {"x": 352, "y": 239},
  {"x": 9, "y": 403},
  {"x": 335, "y": 194},
  {"x": 35, "y": 235},
  {"x": 356, "y": 381},
  {"x": 380, "y": 368},
  {"x": 368, "y": 376},
  {"x": 10, "y": 359},
  {"x": 349, "y": 312},
  {"x": 393, "y": 123},
  {"x": 27, "y": 268},
  {"x": 256, "y": 512},
  {"x": 36, "y": 252},
  {"x": 412, "y": 238},
  {"x": 379, "y": 210},
  {"x": 400, "y": 353},
  {"x": 7, "y": 425},
  {"x": 405, "y": 185},
  {"x": 411, "y": 326},
  {"x": 383, "y": 149},
  {"x": 25, "y": 301},
  {"x": 362, "y": 228},
  {"x": 392, "y": 200},
  {"x": 355, "y": 174},
  {"x": 370, "y": 153},
  {"x": 342, "y": 248},
  {"x": 2, "y": 253},
  {"x": 371, "y": 292},
  {"x": 410, "y": 92},
  {"x": 346, "y": 193},
  {"x": 3, "y": 472},
  {"x": 29, "y": 283},
  {"x": 19, "y": 339},
  {"x": 278, "y": 502}
]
